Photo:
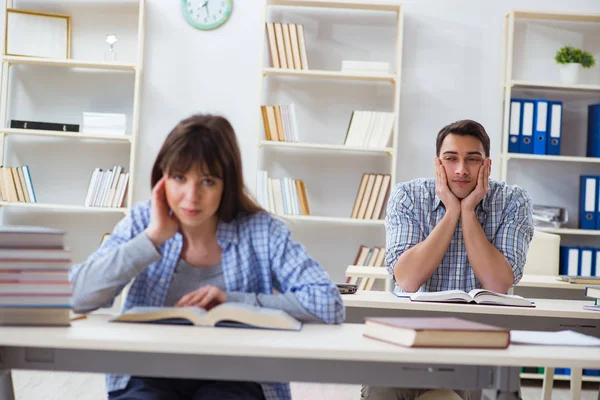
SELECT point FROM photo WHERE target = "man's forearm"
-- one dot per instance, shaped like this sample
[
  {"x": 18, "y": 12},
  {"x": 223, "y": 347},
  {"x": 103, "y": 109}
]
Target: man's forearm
[
  {"x": 489, "y": 264},
  {"x": 417, "y": 264}
]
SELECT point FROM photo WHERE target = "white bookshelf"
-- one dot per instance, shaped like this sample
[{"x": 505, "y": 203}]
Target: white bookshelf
[
  {"x": 61, "y": 162},
  {"x": 531, "y": 40},
  {"x": 321, "y": 134}
]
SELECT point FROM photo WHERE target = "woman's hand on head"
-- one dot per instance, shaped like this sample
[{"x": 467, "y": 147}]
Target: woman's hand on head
[
  {"x": 205, "y": 297},
  {"x": 163, "y": 223}
]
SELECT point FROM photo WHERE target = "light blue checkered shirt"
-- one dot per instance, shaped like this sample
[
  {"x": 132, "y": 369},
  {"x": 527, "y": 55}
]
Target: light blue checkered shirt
[
  {"x": 413, "y": 210},
  {"x": 258, "y": 256}
]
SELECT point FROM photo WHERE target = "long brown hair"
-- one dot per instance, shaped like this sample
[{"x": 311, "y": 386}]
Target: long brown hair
[{"x": 207, "y": 141}]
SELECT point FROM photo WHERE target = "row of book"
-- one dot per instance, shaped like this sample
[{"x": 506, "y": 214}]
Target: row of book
[
  {"x": 104, "y": 123},
  {"x": 589, "y": 202},
  {"x": 283, "y": 196},
  {"x": 370, "y": 129},
  {"x": 16, "y": 184},
  {"x": 535, "y": 126},
  {"x": 579, "y": 261},
  {"x": 367, "y": 257},
  {"x": 280, "y": 123},
  {"x": 287, "y": 46},
  {"x": 107, "y": 187},
  {"x": 371, "y": 196},
  {"x": 34, "y": 284}
]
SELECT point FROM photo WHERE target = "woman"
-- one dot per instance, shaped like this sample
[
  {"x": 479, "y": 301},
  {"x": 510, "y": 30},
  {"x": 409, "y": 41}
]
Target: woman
[{"x": 201, "y": 241}]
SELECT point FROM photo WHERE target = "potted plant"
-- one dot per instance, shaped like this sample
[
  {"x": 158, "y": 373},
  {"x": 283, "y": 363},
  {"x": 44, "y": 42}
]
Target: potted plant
[{"x": 571, "y": 60}]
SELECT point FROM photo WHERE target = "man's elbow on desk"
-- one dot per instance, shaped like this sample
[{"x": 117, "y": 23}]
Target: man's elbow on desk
[{"x": 406, "y": 283}]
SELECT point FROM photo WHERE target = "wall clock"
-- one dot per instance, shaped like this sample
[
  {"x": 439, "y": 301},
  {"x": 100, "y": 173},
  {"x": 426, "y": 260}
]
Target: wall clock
[{"x": 206, "y": 14}]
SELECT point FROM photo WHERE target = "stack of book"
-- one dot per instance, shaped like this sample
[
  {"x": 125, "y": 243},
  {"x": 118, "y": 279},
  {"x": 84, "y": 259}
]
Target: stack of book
[
  {"x": 371, "y": 129},
  {"x": 367, "y": 257},
  {"x": 375, "y": 67},
  {"x": 107, "y": 188},
  {"x": 104, "y": 123},
  {"x": 549, "y": 216},
  {"x": 34, "y": 283},
  {"x": 283, "y": 196},
  {"x": 280, "y": 123},
  {"x": 371, "y": 196},
  {"x": 287, "y": 46},
  {"x": 16, "y": 185}
]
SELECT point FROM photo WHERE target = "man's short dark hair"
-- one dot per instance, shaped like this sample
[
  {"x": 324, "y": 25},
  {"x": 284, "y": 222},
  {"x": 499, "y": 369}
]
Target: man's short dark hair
[{"x": 465, "y": 127}]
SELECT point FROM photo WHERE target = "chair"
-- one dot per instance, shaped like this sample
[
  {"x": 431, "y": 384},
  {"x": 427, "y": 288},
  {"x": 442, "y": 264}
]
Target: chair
[{"x": 543, "y": 257}]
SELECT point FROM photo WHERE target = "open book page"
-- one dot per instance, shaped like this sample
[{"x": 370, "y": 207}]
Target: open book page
[
  {"x": 167, "y": 315},
  {"x": 450, "y": 296},
  {"x": 482, "y": 296},
  {"x": 245, "y": 315}
]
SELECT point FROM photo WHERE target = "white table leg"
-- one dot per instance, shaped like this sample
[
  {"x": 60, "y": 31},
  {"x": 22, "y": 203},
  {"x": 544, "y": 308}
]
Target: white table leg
[
  {"x": 576, "y": 374},
  {"x": 6, "y": 385},
  {"x": 548, "y": 383}
]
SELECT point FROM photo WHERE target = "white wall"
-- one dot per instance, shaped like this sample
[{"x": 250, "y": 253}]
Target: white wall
[{"x": 451, "y": 70}]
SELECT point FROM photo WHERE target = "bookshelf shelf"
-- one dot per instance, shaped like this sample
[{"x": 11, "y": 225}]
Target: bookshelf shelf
[
  {"x": 60, "y": 134},
  {"x": 64, "y": 207},
  {"x": 584, "y": 378},
  {"x": 109, "y": 66},
  {"x": 567, "y": 231},
  {"x": 333, "y": 220},
  {"x": 344, "y": 4},
  {"x": 539, "y": 157},
  {"x": 553, "y": 86},
  {"x": 352, "y": 76},
  {"x": 325, "y": 147}
]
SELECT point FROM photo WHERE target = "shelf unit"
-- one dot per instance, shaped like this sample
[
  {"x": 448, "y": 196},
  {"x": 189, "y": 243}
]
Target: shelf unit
[
  {"x": 530, "y": 72},
  {"x": 323, "y": 72},
  {"x": 584, "y": 378},
  {"x": 65, "y": 196}
]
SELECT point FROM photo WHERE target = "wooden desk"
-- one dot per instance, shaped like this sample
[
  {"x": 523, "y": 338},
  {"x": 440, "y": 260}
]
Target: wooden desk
[
  {"x": 548, "y": 315},
  {"x": 319, "y": 353},
  {"x": 549, "y": 287}
]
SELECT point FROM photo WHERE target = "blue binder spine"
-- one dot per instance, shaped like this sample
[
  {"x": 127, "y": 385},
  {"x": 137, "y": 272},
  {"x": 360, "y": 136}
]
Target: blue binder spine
[
  {"x": 554, "y": 127},
  {"x": 593, "y": 139},
  {"x": 587, "y": 201},
  {"x": 514, "y": 125},
  {"x": 540, "y": 126},
  {"x": 528, "y": 110}
]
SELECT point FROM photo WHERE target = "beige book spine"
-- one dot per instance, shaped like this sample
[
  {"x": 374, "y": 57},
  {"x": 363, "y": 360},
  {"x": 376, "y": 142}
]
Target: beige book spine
[
  {"x": 272, "y": 122},
  {"x": 360, "y": 260},
  {"x": 287, "y": 42},
  {"x": 263, "y": 111},
  {"x": 378, "y": 263},
  {"x": 382, "y": 196},
  {"x": 373, "y": 198},
  {"x": 374, "y": 256},
  {"x": 26, "y": 197},
  {"x": 279, "y": 124},
  {"x": 3, "y": 190},
  {"x": 359, "y": 195},
  {"x": 9, "y": 184},
  {"x": 295, "y": 46},
  {"x": 273, "y": 45},
  {"x": 17, "y": 184},
  {"x": 302, "y": 44},
  {"x": 365, "y": 200},
  {"x": 280, "y": 46}
]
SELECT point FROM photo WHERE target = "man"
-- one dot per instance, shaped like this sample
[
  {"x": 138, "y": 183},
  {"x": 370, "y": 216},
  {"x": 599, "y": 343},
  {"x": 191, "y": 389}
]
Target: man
[{"x": 459, "y": 230}]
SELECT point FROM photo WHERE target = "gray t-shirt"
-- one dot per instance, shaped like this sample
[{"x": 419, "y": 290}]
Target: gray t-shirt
[{"x": 95, "y": 287}]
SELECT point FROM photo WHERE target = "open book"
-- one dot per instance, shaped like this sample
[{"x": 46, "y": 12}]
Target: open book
[
  {"x": 479, "y": 296},
  {"x": 227, "y": 314}
]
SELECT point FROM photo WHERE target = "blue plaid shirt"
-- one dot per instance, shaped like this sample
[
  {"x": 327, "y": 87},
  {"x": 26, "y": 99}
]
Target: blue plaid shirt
[
  {"x": 413, "y": 210},
  {"x": 258, "y": 256}
]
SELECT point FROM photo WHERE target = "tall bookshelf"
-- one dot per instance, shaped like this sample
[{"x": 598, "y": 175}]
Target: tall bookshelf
[
  {"x": 324, "y": 97},
  {"x": 529, "y": 71},
  {"x": 59, "y": 90},
  {"x": 531, "y": 39}
]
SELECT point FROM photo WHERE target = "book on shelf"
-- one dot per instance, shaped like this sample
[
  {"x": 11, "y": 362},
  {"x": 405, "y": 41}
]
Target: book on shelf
[
  {"x": 16, "y": 185},
  {"x": 280, "y": 123},
  {"x": 367, "y": 257},
  {"x": 107, "y": 188},
  {"x": 370, "y": 129},
  {"x": 225, "y": 314},
  {"x": 436, "y": 332},
  {"x": 287, "y": 46},
  {"x": 371, "y": 195},
  {"x": 479, "y": 296},
  {"x": 283, "y": 196},
  {"x": 104, "y": 123},
  {"x": 44, "y": 126}
]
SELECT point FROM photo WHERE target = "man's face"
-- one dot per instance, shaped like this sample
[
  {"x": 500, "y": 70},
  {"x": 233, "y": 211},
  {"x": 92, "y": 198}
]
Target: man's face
[{"x": 462, "y": 157}]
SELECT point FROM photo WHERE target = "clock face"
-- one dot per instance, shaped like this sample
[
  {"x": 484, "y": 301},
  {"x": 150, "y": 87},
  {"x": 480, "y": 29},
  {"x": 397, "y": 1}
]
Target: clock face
[{"x": 206, "y": 14}]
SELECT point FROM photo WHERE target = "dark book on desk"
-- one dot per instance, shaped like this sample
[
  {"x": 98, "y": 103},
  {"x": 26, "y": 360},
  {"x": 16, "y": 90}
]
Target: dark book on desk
[
  {"x": 226, "y": 314},
  {"x": 479, "y": 296},
  {"x": 437, "y": 332},
  {"x": 44, "y": 126}
]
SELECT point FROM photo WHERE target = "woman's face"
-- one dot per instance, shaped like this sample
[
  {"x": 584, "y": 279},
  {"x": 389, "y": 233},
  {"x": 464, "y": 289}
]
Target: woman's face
[{"x": 193, "y": 197}]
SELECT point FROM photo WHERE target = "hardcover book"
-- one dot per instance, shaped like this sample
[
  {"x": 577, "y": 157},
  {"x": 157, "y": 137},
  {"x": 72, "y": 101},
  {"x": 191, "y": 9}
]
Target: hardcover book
[{"x": 45, "y": 126}]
